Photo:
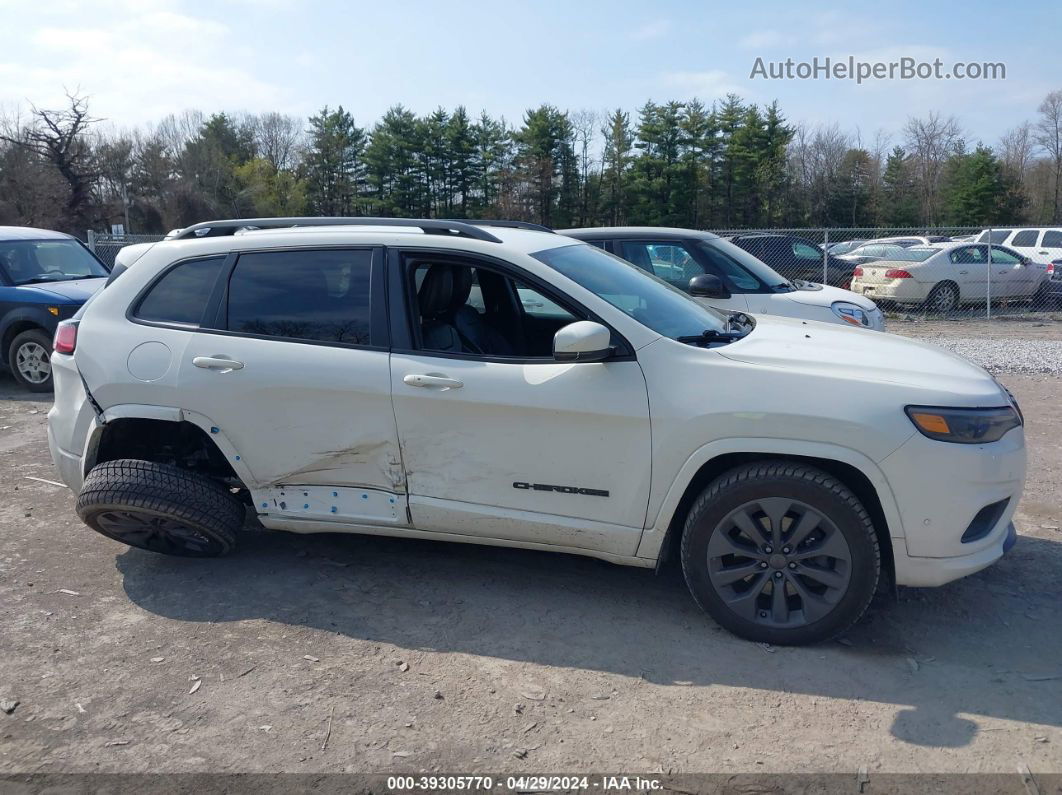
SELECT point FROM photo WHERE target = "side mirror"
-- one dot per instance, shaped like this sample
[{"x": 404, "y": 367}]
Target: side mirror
[
  {"x": 708, "y": 286},
  {"x": 582, "y": 341}
]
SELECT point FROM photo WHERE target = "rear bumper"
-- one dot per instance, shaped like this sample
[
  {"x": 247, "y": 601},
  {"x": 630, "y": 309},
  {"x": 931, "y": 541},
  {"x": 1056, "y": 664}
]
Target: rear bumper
[
  {"x": 902, "y": 291},
  {"x": 67, "y": 465}
]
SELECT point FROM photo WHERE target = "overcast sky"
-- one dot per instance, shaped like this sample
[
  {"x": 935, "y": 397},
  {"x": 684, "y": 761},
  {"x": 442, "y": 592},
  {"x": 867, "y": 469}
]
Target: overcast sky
[{"x": 139, "y": 60}]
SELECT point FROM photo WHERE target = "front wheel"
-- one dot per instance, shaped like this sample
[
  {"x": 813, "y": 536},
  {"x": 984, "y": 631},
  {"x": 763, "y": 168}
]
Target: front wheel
[
  {"x": 779, "y": 552},
  {"x": 29, "y": 358}
]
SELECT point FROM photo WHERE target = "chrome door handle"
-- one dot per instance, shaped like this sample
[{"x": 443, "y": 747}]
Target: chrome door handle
[
  {"x": 217, "y": 363},
  {"x": 432, "y": 381}
]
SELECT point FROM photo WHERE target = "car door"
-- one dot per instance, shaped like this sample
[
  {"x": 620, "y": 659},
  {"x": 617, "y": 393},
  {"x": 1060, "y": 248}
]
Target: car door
[
  {"x": 675, "y": 263},
  {"x": 294, "y": 375},
  {"x": 498, "y": 439},
  {"x": 1011, "y": 277},
  {"x": 969, "y": 270}
]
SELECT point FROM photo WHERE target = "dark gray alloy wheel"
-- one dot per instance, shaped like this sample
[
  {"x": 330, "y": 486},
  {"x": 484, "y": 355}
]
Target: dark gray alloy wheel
[
  {"x": 780, "y": 552},
  {"x": 161, "y": 508}
]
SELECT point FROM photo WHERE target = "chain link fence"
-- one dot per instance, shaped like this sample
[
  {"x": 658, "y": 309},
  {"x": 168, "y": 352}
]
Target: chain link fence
[
  {"x": 941, "y": 272},
  {"x": 106, "y": 246}
]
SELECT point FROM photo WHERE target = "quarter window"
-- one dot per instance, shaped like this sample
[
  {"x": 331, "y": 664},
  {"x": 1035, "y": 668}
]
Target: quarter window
[
  {"x": 320, "y": 295},
  {"x": 180, "y": 296},
  {"x": 1026, "y": 238}
]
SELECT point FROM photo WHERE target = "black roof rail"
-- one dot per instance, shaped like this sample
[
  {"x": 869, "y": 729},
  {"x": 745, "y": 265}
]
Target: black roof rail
[
  {"x": 433, "y": 226},
  {"x": 500, "y": 222}
]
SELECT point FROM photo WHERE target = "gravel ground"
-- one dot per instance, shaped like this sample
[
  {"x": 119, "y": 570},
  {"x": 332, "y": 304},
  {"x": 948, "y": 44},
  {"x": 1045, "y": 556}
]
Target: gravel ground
[{"x": 1018, "y": 346}]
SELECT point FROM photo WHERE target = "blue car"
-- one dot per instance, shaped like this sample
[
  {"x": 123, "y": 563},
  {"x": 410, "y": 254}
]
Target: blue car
[{"x": 45, "y": 277}]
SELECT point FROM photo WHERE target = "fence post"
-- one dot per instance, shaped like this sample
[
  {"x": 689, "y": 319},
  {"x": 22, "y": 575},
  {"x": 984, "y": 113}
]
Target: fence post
[
  {"x": 988, "y": 280},
  {"x": 90, "y": 240},
  {"x": 825, "y": 255}
]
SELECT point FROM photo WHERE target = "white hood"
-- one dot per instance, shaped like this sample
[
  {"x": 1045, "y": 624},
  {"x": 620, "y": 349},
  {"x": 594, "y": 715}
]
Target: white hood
[
  {"x": 840, "y": 351},
  {"x": 826, "y": 296}
]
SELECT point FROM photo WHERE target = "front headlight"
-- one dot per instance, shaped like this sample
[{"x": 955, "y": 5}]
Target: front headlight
[
  {"x": 850, "y": 313},
  {"x": 964, "y": 426}
]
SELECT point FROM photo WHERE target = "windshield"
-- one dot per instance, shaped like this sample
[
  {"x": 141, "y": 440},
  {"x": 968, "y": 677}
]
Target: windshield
[
  {"x": 36, "y": 261},
  {"x": 912, "y": 254},
  {"x": 743, "y": 269},
  {"x": 649, "y": 300}
]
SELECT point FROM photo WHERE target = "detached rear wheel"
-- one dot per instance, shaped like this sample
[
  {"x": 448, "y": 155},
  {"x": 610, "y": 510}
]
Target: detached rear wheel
[
  {"x": 160, "y": 508},
  {"x": 781, "y": 553}
]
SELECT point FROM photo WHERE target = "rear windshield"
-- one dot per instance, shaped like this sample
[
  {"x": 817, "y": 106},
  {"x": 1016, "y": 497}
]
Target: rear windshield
[
  {"x": 913, "y": 254},
  {"x": 40, "y": 261}
]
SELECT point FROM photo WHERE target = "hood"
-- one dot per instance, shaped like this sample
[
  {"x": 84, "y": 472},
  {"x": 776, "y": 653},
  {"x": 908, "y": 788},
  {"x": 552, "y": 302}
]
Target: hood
[
  {"x": 843, "y": 352},
  {"x": 72, "y": 292},
  {"x": 825, "y": 295}
]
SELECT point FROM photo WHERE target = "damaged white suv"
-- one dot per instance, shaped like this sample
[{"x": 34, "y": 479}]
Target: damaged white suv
[{"x": 496, "y": 384}]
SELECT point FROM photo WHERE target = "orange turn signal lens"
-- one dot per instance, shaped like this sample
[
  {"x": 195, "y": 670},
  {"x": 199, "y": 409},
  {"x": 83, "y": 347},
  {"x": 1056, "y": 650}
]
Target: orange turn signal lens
[
  {"x": 934, "y": 423},
  {"x": 54, "y": 310}
]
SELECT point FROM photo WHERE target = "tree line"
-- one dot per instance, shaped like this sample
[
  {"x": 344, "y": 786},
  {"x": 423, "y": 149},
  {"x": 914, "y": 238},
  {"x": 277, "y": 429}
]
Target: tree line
[{"x": 730, "y": 164}]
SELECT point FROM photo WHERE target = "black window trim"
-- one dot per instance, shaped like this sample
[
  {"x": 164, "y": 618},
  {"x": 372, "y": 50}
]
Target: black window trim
[
  {"x": 216, "y": 313},
  {"x": 134, "y": 305},
  {"x": 400, "y": 261}
]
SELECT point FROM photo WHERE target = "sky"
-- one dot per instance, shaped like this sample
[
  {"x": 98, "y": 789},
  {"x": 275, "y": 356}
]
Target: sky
[{"x": 139, "y": 60}]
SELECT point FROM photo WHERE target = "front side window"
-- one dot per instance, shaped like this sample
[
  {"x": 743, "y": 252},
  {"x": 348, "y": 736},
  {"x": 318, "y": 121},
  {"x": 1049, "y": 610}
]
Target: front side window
[
  {"x": 320, "y": 295},
  {"x": 669, "y": 261},
  {"x": 180, "y": 296},
  {"x": 646, "y": 298},
  {"x": 744, "y": 272},
  {"x": 1002, "y": 256},
  {"x": 40, "y": 261},
  {"x": 464, "y": 309}
]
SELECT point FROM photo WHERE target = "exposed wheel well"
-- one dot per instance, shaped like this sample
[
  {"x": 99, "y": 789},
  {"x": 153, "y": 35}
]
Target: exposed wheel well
[
  {"x": 846, "y": 473},
  {"x": 182, "y": 444},
  {"x": 13, "y": 331}
]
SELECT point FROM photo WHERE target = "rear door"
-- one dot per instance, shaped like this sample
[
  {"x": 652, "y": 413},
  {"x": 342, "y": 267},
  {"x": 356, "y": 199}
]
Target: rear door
[{"x": 294, "y": 374}]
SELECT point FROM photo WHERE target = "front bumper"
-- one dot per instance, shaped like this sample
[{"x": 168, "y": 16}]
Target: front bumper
[{"x": 940, "y": 488}]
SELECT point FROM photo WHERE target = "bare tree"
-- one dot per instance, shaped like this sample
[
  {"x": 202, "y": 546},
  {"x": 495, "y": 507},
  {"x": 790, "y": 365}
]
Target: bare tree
[
  {"x": 1048, "y": 136},
  {"x": 277, "y": 138},
  {"x": 584, "y": 128},
  {"x": 1015, "y": 150},
  {"x": 931, "y": 141}
]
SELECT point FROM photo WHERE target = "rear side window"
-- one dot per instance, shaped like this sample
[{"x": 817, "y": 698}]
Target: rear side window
[
  {"x": 1052, "y": 239},
  {"x": 804, "y": 251},
  {"x": 180, "y": 296},
  {"x": 304, "y": 295},
  {"x": 1026, "y": 238}
]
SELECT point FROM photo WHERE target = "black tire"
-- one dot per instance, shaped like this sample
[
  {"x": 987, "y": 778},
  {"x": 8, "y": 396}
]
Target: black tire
[
  {"x": 160, "y": 508},
  {"x": 29, "y": 358},
  {"x": 944, "y": 297},
  {"x": 808, "y": 610}
]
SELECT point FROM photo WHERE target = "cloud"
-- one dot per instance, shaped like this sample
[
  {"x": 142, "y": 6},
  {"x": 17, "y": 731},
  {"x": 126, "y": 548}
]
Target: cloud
[
  {"x": 710, "y": 84},
  {"x": 764, "y": 40},
  {"x": 652, "y": 30}
]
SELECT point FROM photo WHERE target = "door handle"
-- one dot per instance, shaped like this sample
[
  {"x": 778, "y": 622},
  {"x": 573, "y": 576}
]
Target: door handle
[
  {"x": 218, "y": 362},
  {"x": 440, "y": 381}
]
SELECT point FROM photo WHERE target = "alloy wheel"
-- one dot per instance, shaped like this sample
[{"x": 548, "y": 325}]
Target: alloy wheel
[{"x": 33, "y": 362}]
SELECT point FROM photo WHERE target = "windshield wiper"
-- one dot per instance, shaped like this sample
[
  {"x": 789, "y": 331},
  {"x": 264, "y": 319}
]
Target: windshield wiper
[
  {"x": 710, "y": 335},
  {"x": 65, "y": 277}
]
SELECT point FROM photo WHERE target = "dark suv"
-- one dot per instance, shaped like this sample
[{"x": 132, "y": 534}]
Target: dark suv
[
  {"x": 45, "y": 277},
  {"x": 796, "y": 257}
]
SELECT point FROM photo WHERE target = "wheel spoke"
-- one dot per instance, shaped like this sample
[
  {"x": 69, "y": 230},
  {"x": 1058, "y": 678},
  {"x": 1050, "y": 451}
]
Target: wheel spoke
[
  {"x": 722, "y": 543},
  {"x": 751, "y": 528},
  {"x": 779, "y": 604},
  {"x": 828, "y": 577},
  {"x": 813, "y": 606},
  {"x": 776, "y": 509},
  {"x": 808, "y": 522},
  {"x": 728, "y": 575},
  {"x": 745, "y": 604},
  {"x": 833, "y": 546}
]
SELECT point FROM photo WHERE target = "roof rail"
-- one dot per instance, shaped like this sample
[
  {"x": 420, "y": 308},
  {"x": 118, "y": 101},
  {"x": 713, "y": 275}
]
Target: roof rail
[
  {"x": 428, "y": 226},
  {"x": 502, "y": 223}
]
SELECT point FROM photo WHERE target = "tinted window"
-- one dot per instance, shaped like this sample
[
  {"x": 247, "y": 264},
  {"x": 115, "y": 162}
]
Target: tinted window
[
  {"x": 998, "y": 236},
  {"x": 180, "y": 296},
  {"x": 1052, "y": 239},
  {"x": 805, "y": 251},
  {"x": 670, "y": 261},
  {"x": 1003, "y": 256},
  {"x": 1026, "y": 238},
  {"x": 39, "y": 261},
  {"x": 597, "y": 243},
  {"x": 308, "y": 295},
  {"x": 969, "y": 255}
]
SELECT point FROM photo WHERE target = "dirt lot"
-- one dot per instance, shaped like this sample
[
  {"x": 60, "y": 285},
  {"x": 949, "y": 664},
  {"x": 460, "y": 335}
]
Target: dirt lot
[{"x": 415, "y": 656}]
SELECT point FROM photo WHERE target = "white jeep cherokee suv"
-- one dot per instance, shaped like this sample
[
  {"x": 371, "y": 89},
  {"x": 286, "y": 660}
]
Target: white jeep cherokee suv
[{"x": 495, "y": 384}]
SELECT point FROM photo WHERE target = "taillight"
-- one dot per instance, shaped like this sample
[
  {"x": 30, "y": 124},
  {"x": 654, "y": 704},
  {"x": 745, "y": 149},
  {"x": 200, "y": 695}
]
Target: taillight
[
  {"x": 65, "y": 337},
  {"x": 1051, "y": 268},
  {"x": 892, "y": 273},
  {"x": 857, "y": 272}
]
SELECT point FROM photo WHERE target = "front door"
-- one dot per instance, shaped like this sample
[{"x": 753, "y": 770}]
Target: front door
[
  {"x": 296, "y": 379},
  {"x": 498, "y": 439}
]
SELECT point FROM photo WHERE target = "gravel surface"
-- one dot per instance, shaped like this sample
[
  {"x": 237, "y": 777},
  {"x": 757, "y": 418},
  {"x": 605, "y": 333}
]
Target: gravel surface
[{"x": 1005, "y": 355}]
